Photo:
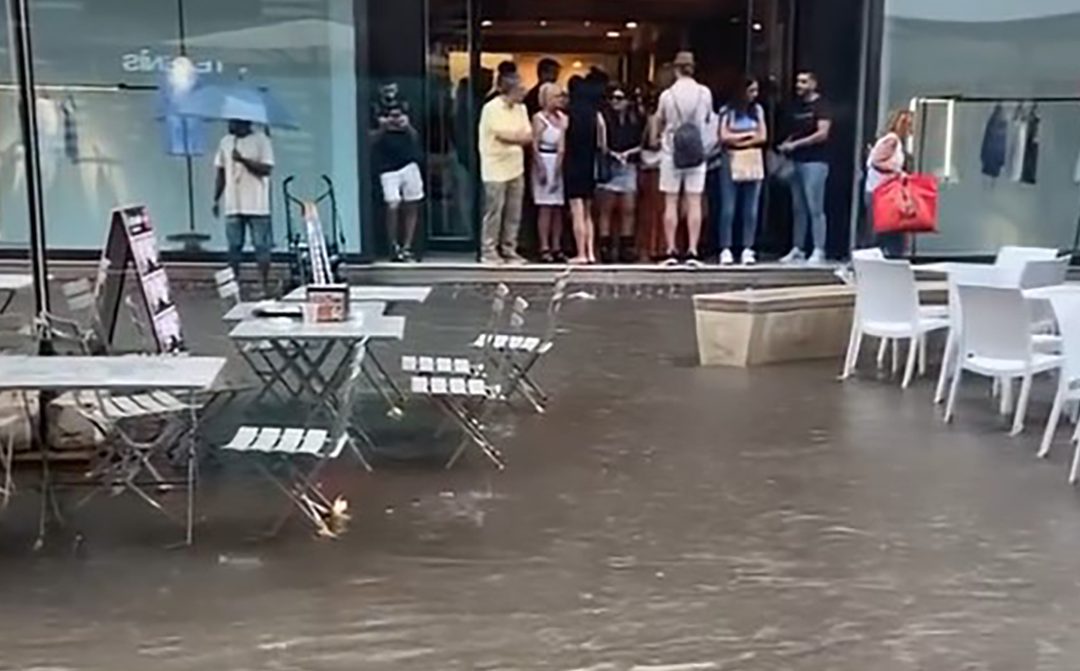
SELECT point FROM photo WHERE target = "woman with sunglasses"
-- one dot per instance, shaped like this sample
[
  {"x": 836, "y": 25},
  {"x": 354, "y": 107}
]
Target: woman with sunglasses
[{"x": 625, "y": 136}]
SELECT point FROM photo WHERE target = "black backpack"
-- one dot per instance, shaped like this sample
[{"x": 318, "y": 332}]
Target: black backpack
[{"x": 688, "y": 147}]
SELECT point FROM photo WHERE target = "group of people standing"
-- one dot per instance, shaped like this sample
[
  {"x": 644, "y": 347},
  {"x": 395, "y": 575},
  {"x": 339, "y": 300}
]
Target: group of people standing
[{"x": 582, "y": 147}]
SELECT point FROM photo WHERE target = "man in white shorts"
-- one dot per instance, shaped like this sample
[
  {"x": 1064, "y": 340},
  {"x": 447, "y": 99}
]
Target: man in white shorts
[
  {"x": 685, "y": 102},
  {"x": 397, "y": 154}
]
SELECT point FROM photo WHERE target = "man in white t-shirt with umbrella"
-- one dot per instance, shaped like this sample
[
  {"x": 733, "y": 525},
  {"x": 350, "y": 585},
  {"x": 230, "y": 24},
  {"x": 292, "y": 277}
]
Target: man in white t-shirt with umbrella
[{"x": 244, "y": 161}]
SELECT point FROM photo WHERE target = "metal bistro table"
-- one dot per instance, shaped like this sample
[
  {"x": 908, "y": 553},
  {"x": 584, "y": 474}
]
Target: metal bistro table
[
  {"x": 11, "y": 284},
  {"x": 303, "y": 348},
  {"x": 373, "y": 292},
  {"x": 59, "y": 374}
]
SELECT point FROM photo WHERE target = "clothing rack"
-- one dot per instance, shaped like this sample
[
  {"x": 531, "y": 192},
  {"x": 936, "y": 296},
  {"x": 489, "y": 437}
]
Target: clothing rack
[
  {"x": 951, "y": 100},
  {"x": 86, "y": 88}
]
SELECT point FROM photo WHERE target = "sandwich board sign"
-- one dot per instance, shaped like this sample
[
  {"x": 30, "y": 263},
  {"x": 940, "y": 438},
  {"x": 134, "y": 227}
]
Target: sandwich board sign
[{"x": 132, "y": 243}]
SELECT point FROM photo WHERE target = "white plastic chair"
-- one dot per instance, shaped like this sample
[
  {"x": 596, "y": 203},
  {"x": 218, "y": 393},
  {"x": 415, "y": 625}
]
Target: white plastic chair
[
  {"x": 1067, "y": 309},
  {"x": 996, "y": 342},
  {"x": 1012, "y": 260},
  {"x": 887, "y": 307},
  {"x": 1037, "y": 274}
]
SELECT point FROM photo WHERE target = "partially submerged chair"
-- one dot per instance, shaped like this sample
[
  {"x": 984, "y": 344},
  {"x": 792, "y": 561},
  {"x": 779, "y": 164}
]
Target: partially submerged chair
[
  {"x": 255, "y": 354},
  {"x": 887, "y": 307},
  {"x": 293, "y": 458},
  {"x": 996, "y": 342},
  {"x": 467, "y": 392},
  {"x": 524, "y": 352}
]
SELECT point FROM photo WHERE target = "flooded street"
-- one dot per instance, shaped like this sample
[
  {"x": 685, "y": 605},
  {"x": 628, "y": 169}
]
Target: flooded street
[{"x": 660, "y": 517}]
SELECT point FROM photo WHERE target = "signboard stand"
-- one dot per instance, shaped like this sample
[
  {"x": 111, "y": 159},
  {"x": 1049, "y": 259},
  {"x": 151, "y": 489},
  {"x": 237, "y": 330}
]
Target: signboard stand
[{"x": 131, "y": 242}]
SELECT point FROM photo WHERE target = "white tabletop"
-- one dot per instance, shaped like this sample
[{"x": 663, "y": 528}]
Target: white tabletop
[
  {"x": 113, "y": 373},
  {"x": 242, "y": 311},
  {"x": 15, "y": 282},
  {"x": 1049, "y": 293},
  {"x": 949, "y": 267},
  {"x": 389, "y": 294},
  {"x": 357, "y": 328}
]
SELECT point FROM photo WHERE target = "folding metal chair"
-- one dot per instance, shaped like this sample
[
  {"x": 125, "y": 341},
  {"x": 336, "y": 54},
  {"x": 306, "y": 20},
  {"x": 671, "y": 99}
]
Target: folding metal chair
[
  {"x": 128, "y": 461},
  {"x": 292, "y": 459},
  {"x": 255, "y": 354},
  {"x": 523, "y": 352},
  {"x": 464, "y": 391}
]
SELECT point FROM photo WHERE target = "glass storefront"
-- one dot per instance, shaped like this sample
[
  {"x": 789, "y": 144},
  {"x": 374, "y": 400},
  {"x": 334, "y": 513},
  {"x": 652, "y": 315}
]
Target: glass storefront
[
  {"x": 99, "y": 67},
  {"x": 105, "y": 140},
  {"x": 995, "y": 86}
]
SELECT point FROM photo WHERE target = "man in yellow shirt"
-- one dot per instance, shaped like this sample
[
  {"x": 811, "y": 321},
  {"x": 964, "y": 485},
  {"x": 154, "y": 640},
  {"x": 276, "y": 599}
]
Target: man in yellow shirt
[{"x": 505, "y": 131}]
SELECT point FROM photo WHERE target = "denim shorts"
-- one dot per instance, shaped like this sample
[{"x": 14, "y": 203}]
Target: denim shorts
[
  {"x": 623, "y": 179},
  {"x": 262, "y": 236}
]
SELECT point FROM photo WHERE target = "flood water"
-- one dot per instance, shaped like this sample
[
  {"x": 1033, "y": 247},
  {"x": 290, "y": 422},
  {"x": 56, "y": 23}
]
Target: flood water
[{"x": 661, "y": 517}]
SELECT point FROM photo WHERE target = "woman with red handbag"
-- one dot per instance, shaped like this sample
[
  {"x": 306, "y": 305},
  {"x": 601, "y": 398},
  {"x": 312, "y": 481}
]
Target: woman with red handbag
[{"x": 886, "y": 161}]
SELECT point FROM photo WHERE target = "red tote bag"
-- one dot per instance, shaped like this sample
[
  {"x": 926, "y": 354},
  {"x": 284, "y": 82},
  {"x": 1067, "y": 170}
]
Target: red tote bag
[{"x": 906, "y": 204}]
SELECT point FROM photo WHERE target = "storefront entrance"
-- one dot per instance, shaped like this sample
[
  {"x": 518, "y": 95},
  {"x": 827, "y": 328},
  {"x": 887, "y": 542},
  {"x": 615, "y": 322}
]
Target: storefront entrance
[{"x": 465, "y": 40}]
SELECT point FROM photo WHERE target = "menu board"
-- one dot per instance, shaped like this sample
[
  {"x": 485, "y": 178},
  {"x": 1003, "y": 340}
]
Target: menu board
[{"x": 132, "y": 244}]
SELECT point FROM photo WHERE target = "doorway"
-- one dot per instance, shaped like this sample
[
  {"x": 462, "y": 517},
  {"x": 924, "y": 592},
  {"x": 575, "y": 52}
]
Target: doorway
[{"x": 465, "y": 40}]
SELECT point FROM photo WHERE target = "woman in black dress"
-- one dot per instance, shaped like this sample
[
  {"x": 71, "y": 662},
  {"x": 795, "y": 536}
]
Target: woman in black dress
[{"x": 584, "y": 137}]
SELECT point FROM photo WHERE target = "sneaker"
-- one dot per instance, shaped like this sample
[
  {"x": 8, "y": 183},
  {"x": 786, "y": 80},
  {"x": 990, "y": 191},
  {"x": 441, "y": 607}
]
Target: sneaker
[
  {"x": 817, "y": 258},
  {"x": 397, "y": 256},
  {"x": 407, "y": 255},
  {"x": 491, "y": 260},
  {"x": 794, "y": 256},
  {"x": 726, "y": 258},
  {"x": 692, "y": 261},
  {"x": 670, "y": 262},
  {"x": 515, "y": 260},
  {"x": 748, "y": 257}
]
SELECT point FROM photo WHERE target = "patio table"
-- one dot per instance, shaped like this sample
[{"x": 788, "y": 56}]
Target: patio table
[
  {"x": 165, "y": 373},
  {"x": 303, "y": 348}
]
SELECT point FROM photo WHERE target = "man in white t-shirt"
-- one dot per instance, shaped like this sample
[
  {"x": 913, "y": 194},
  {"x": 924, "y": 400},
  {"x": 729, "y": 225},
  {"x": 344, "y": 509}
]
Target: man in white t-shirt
[
  {"x": 684, "y": 102},
  {"x": 244, "y": 161}
]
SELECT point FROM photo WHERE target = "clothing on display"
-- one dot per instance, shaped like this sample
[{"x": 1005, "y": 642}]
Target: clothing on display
[
  {"x": 1030, "y": 169},
  {"x": 1014, "y": 161},
  {"x": 994, "y": 144},
  {"x": 1010, "y": 147},
  {"x": 71, "y": 129}
]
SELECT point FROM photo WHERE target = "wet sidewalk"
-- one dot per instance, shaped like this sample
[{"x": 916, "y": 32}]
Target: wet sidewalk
[{"x": 661, "y": 517}]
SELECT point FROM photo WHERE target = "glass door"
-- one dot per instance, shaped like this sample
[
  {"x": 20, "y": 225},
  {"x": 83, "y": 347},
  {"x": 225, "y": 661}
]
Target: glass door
[
  {"x": 452, "y": 95},
  {"x": 769, "y": 47}
]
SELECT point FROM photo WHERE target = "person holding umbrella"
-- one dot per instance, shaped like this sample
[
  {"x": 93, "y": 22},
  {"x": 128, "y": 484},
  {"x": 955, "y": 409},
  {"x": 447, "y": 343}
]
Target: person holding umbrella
[{"x": 244, "y": 161}]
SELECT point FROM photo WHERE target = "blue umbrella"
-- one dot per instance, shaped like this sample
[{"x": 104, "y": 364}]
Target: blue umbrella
[{"x": 236, "y": 101}]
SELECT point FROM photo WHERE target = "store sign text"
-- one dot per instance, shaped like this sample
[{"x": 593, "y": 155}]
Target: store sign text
[{"x": 145, "y": 60}]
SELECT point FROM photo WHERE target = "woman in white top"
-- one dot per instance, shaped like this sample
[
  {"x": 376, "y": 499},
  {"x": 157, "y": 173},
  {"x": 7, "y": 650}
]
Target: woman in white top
[
  {"x": 886, "y": 160},
  {"x": 549, "y": 147}
]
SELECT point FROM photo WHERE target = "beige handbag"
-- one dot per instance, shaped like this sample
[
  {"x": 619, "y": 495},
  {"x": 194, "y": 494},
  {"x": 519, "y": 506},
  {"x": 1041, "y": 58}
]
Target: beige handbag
[{"x": 747, "y": 165}]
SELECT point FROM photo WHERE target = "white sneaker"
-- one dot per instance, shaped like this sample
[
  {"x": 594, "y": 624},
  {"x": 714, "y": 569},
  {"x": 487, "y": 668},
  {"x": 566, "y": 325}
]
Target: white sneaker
[
  {"x": 817, "y": 258},
  {"x": 749, "y": 258},
  {"x": 726, "y": 258},
  {"x": 794, "y": 256}
]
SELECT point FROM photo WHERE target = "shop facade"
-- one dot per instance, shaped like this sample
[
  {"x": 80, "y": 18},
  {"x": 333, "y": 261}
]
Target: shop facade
[{"x": 103, "y": 139}]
